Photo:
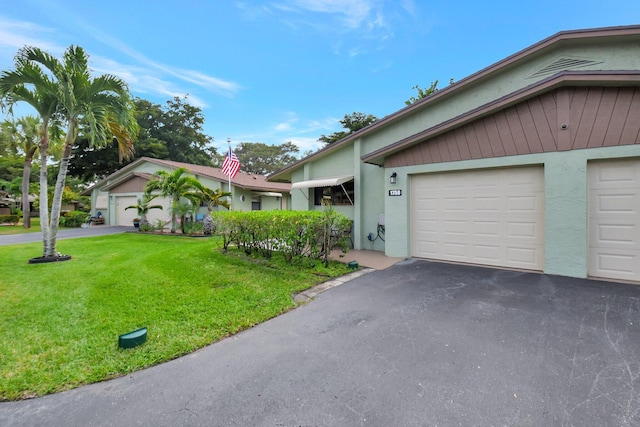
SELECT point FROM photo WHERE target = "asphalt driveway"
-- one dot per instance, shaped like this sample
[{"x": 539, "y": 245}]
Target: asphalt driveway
[
  {"x": 417, "y": 344},
  {"x": 69, "y": 233}
]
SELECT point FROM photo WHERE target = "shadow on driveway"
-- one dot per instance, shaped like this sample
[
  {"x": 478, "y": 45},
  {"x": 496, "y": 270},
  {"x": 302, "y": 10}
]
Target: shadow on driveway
[{"x": 419, "y": 343}]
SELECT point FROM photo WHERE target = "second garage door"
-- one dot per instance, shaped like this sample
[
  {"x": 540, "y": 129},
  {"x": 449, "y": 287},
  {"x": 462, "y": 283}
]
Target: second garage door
[
  {"x": 614, "y": 220},
  {"x": 491, "y": 217}
]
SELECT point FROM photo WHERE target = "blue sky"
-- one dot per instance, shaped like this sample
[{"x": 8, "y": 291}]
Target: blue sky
[{"x": 289, "y": 70}]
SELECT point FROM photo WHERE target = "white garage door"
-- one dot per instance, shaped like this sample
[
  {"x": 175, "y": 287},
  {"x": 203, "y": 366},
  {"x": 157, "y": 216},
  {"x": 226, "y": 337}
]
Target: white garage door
[
  {"x": 491, "y": 217},
  {"x": 614, "y": 220},
  {"x": 125, "y": 217}
]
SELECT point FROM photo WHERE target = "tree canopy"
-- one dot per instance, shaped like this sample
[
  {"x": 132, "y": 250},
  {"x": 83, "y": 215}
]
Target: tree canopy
[
  {"x": 173, "y": 132},
  {"x": 262, "y": 159},
  {"x": 423, "y": 93},
  {"x": 351, "y": 123}
]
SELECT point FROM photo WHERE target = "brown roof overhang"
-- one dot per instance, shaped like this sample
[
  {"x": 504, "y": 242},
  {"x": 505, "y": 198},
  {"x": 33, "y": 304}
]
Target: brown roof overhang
[
  {"x": 559, "y": 39},
  {"x": 563, "y": 79}
]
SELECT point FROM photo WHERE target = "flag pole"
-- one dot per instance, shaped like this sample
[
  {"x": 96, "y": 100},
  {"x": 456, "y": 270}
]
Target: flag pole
[{"x": 229, "y": 154}]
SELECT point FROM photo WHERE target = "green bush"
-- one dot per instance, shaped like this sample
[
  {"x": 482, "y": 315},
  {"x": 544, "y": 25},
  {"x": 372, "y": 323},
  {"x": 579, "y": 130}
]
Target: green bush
[
  {"x": 146, "y": 227},
  {"x": 8, "y": 219},
  {"x": 73, "y": 219},
  {"x": 295, "y": 234},
  {"x": 193, "y": 227}
]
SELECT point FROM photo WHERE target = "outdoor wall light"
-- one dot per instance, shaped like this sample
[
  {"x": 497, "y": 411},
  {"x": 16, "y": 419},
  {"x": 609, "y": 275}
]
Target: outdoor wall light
[{"x": 392, "y": 178}]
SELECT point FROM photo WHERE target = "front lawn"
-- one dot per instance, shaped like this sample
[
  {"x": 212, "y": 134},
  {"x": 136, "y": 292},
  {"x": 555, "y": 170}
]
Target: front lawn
[
  {"x": 19, "y": 229},
  {"x": 59, "y": 323}
]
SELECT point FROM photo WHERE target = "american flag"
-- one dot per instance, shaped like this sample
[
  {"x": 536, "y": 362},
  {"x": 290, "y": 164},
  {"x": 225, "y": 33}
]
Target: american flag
[{"x": 231, "y": 164}]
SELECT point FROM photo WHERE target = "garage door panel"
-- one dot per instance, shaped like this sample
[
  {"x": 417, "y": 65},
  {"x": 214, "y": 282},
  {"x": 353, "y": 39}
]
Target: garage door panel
[
  {"x": 614, "y": 175},
  {"x": 523, "y": 229},
  {"x": 486, "y": 204},
  {"x": 614, "y": 219},
  {"x": 616, "y": 234},
  {"x": 523, "y": 256},
  {"x": 486, "y": 228},
  {"x": 491, "y": 217},
  {"x": 618, "y": 265},
  {"x": 615, "y": 201}
]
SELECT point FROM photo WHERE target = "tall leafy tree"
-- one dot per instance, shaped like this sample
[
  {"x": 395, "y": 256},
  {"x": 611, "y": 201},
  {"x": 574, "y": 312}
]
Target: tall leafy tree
[
  {"x": 101, "y": 107},
  {"x": 351, "y": 123},
  {"x": 261, "y": 159},
  {"x": 176, "y": 185},
  {"x": 171, "y": 132}
]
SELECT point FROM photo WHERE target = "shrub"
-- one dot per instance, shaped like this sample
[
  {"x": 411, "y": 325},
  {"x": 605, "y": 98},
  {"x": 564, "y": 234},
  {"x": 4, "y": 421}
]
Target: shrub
[
  {"x": 193, "y": 227},
  {"x": 160, "y": 225},
  {"x": 295, "y": 234},
  {"x": 146, "y": 227},
  {"x": 8, "y": 219},
  {"x": 73, "y": 219}
]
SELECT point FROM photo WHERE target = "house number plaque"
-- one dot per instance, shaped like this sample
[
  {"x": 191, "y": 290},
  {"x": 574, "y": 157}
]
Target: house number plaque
[{"x": 395, "y": 192}]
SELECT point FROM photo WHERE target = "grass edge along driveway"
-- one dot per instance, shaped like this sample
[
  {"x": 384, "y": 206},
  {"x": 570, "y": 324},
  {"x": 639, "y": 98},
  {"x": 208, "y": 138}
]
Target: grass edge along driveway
[{"x": 59, "y": 322}]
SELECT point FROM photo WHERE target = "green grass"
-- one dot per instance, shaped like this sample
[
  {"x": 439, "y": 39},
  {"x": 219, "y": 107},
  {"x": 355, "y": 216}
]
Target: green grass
[
  {"x": 59, "y": 322},
  {"x": 19, "y": 229}
]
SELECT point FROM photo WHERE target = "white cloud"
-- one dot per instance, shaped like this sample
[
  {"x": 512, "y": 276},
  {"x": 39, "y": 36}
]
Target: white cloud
[
  {"x": 281, "y": 127},
  {"x": 353, "y": 12},
  {"x": 143, "y": 76},
  {"x": 305, "y": 143},
  {"x": 17, "y": 34},
  {"x": 214, "y": 84},
  {"x": 354, "y": 27}
]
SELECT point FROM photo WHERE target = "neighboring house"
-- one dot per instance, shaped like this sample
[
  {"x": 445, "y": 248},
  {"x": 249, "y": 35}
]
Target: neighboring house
[
  {"x": 124, "y": 187},
  {"x": 531, "y": 163}
]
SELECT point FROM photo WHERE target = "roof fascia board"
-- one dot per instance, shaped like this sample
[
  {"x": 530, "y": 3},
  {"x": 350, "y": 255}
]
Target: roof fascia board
[
  {"x": 566, "y": 78},
  {"x": 538, "y": 48}
]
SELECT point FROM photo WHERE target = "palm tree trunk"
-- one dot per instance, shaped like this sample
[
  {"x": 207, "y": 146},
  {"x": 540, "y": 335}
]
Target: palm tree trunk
[
  {"x": 174, "y": 204},
  {"x": 44, "y": 195},
  {"x": 26, "y": 210},
  {"x": 56, "y": 205}
]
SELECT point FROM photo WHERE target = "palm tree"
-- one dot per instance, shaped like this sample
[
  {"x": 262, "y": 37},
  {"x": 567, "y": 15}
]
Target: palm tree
[
  {"x": 144, "y": 206},
  {"x": 174, "y": 185},
  {"x": 29, "y": 138},
  {"x": 212, "y": 198},
  {"x": 30, "y": 84},
  {"x": 101, "y": 105}
]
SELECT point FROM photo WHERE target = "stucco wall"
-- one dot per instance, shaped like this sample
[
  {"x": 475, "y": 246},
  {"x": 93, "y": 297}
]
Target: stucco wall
[{"x": 566, "y": 204}]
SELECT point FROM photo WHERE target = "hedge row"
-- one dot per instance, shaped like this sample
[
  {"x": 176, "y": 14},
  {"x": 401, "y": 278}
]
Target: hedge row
[
  {"x": 295, "y": 234},
  {"x": 8, "y": 219}
]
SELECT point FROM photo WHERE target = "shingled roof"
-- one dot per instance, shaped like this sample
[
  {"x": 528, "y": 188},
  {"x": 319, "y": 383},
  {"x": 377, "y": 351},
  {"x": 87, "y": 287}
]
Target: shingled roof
[{"x": 243, "y": 180}]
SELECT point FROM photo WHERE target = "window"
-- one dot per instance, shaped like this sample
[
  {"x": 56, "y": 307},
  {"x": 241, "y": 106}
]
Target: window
[{"x": 334, "y": 195}]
